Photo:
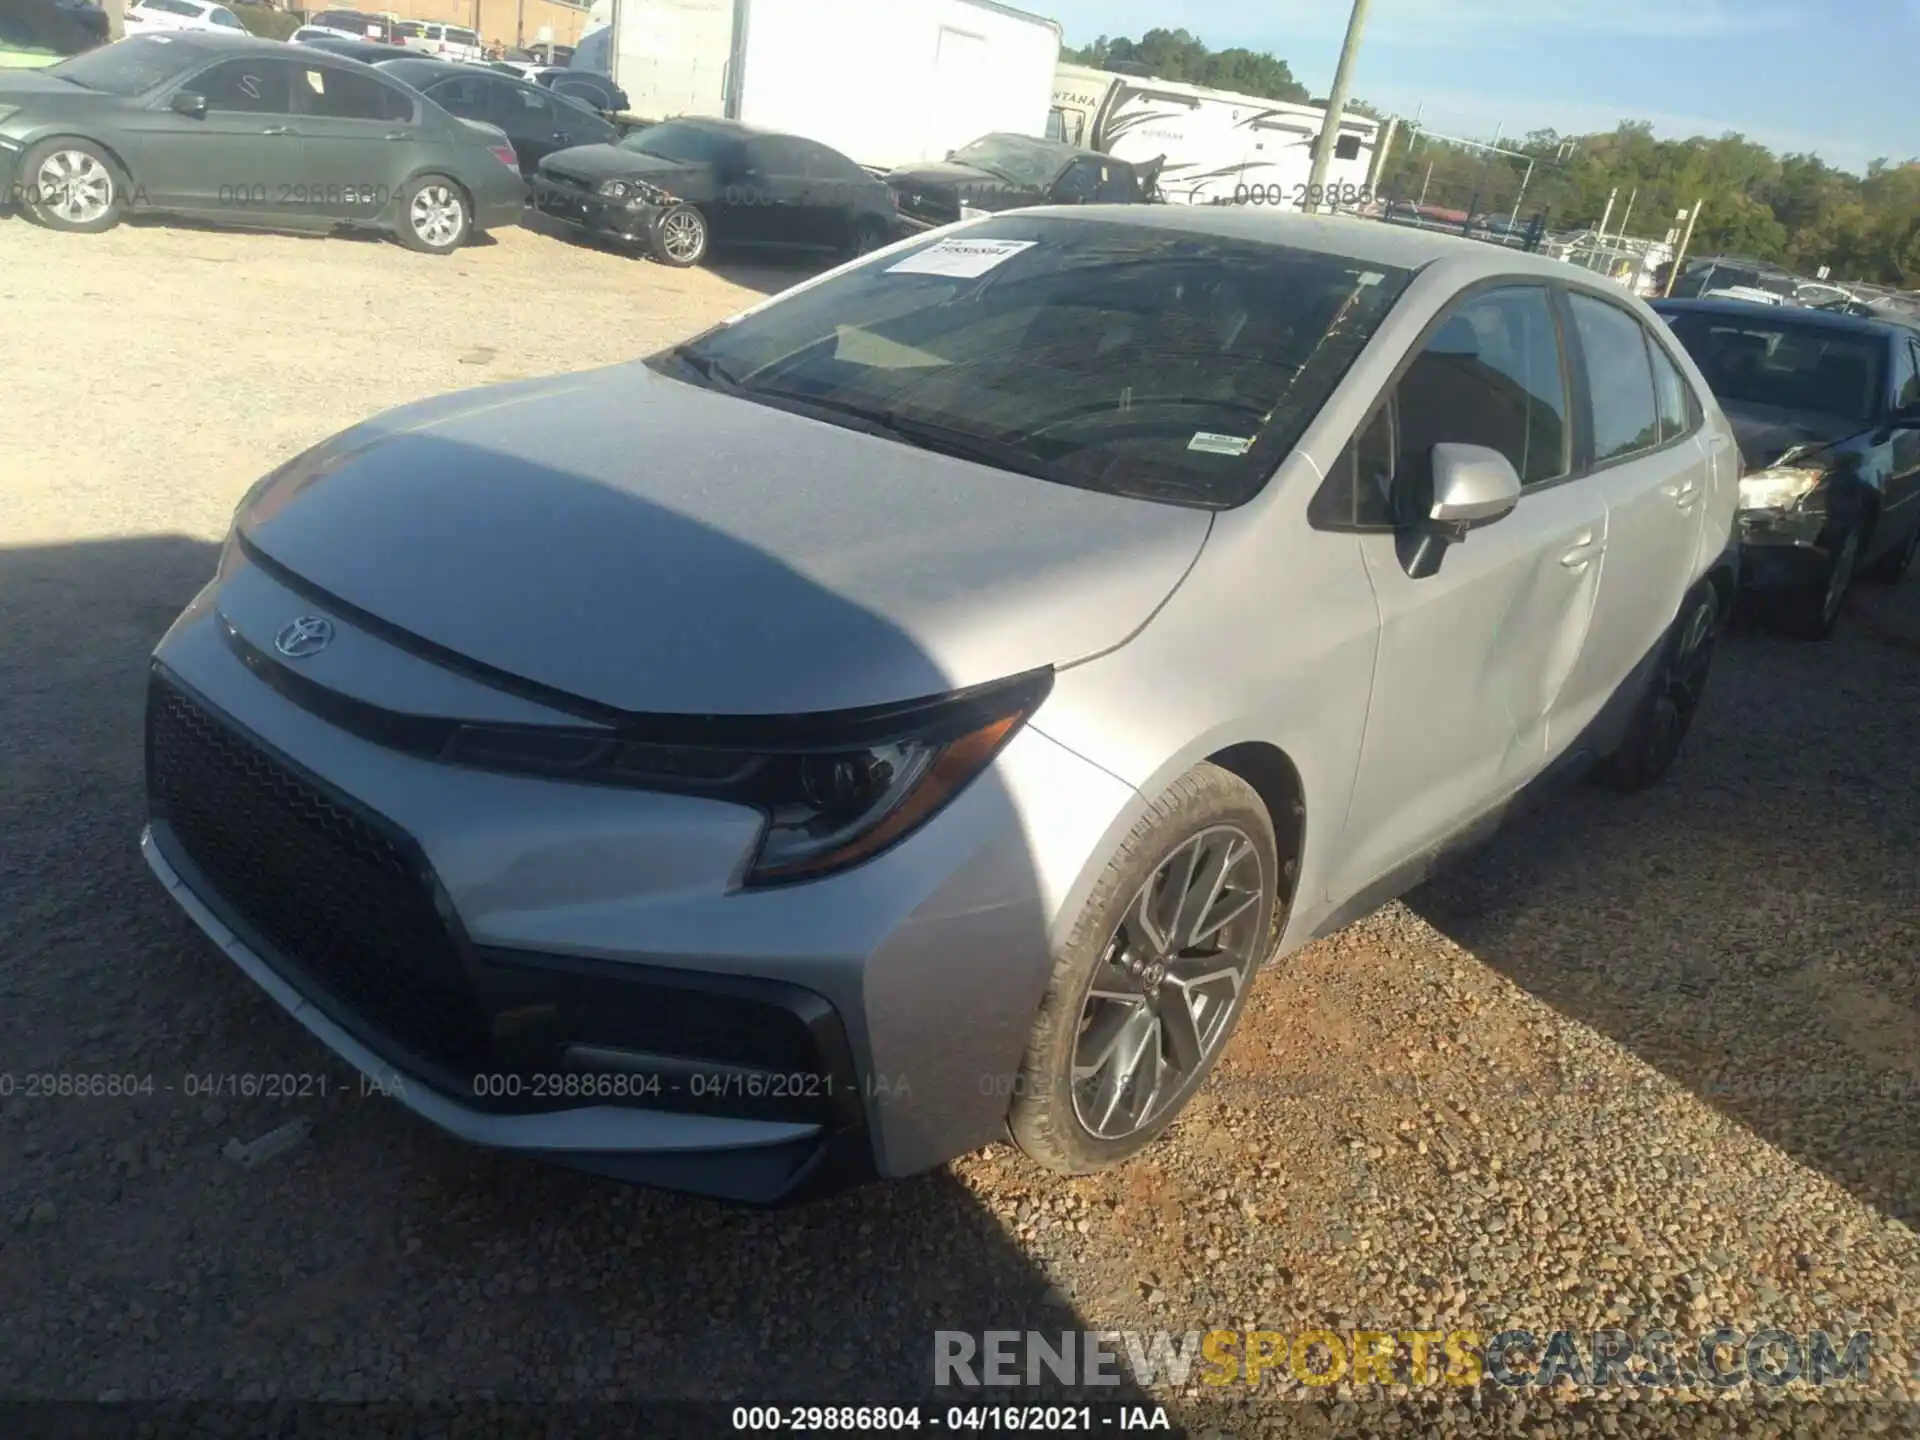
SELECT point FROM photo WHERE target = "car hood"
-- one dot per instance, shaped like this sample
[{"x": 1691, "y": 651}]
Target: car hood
[
  {"x": 610, "y": 162},
  {"x": 1767, "y": 432},
  {"x": 650, "y": 545},
  {"x": 38, "y": 89}
]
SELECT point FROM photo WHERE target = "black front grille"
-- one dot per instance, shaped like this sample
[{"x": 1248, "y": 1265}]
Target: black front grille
[{"x": 329, "y": 887}]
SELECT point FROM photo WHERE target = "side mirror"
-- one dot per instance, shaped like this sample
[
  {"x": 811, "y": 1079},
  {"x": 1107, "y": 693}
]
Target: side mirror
[
  {"x": 189, "y": 103},
  {"x": 1472, "y": 486}
]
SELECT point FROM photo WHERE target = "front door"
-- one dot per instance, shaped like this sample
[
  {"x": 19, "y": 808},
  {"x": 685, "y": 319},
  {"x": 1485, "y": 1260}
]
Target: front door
[
  {"x": 238, "y": 160},
  {"x": 1472, "y": 657}
]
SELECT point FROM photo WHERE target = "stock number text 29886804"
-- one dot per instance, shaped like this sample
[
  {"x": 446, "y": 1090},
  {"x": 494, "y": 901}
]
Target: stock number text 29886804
[{"x": 1295, "y": 196}]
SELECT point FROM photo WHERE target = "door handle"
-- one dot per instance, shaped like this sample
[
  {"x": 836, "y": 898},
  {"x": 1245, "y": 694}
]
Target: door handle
[
  {"x": 279, "y": 130},
  {"x": 397, "y": 135},
  {"x": 1582, "y": 552},
  {"x": 1683, "y": 492},
  {"x": 562, "y": 136}
]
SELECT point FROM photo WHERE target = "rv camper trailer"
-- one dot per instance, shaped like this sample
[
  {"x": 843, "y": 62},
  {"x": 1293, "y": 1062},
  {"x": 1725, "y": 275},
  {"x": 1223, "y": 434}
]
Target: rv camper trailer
[{"x": 1219, "y": 148}]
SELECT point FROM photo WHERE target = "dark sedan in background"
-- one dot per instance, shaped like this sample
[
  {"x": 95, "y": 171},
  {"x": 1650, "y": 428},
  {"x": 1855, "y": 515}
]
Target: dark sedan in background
[
  {"x": 1827, "y": 411},
  {"x": 1005, "y": 172},
  {"x": 537, "y": 121},
  {"x": 681, "y": 186},
  {"x": 248, "y": 131}
]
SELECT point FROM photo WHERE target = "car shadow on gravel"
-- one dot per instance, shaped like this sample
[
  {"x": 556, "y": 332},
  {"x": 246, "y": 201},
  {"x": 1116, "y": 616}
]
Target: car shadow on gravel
[
  {"x": 1751, "y": 927},
  {"x": 379, "y": 1260},
  {"x": 764, "y": 271}
]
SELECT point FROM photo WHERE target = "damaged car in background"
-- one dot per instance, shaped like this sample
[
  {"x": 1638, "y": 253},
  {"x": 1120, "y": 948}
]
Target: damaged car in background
[
  {"x": 1827, "y": 409},
  {"x": 1007, "y": 172}
]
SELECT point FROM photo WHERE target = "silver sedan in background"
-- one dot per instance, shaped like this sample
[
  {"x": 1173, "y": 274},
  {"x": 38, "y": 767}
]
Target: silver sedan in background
[{"x": 909, "y": 713}]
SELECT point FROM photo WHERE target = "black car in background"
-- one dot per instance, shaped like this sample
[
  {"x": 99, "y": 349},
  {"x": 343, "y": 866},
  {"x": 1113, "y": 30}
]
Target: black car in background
[
  {"x": 51, "y": 27},
  {"x": 1827, "y": 411},
  {"x": 678, "y": 187},
  {"x": 537, "y": 121},
  {"x": 251, "y": 132},
  {"x": 1005, "y": 172},
  {"x": 367, "y": 52}
]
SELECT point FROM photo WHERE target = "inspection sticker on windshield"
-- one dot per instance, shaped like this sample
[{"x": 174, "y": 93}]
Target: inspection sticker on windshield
[
  {"x": 1220, "y": 444},
  {"x": 962, "y": 259}
]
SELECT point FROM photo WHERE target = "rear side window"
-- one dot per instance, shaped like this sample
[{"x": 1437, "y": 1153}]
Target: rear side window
[
  {"x": 464, "y": 95},
  {"x": 778, "y": 155},
  {"x": 339, "y": 94},
  {"x": 1491, "y": 375},
  {"x": 463, "y": 37},
  {"x": 830, "y": 164},
  {"x": 1671, "y": 394},
  {"x": 1626, "y": 417}
]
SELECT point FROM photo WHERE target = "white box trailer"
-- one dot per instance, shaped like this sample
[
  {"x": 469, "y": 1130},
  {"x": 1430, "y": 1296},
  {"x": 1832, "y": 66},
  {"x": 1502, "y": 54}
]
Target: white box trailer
[
  {"x": 886, "y": 82},
  {"x": 1219, "y": 147}
]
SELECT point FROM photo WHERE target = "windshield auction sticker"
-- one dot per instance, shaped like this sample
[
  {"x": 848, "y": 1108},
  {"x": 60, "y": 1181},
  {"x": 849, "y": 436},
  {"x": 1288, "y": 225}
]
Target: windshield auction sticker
[
  {"x": 960, "y": 259},
  {"x": 1214, "y": 444}
]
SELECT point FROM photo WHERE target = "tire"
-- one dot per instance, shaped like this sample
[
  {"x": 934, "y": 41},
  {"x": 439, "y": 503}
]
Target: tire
[
  {"x": 1665, "y": 713},
  {"x": 679, "y": 236},
  {"x": 1890, "y": 568},
  {"x": 1811, "y": 612},
  {"x": 869, "y": 235},
  {"x": 435, "y": 216},
  {"x": 52, "y": 171},
  {"x": 1208, "y": 817}
]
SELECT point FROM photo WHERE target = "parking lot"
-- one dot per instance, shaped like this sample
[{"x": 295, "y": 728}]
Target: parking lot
[{"x": 1647, "y": 1061}]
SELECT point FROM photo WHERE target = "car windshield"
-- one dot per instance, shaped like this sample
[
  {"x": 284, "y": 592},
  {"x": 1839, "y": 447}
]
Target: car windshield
[
  {"x": 1778, "y": 363},
  {"x": 1162, "y": 364},
  {"x": 129, "y": 67},
  {"x": 1015, "y": 157},
  {"x": 684, "y": 144}
]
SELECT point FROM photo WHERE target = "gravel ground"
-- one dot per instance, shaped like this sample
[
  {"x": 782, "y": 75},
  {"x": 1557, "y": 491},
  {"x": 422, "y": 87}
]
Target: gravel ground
[{"x": 1645, "y": 1062}]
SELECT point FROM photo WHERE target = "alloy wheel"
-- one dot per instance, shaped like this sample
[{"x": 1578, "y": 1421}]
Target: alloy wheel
[
  {"x": 1161, "y": 1000},
  {"x": 74, "y": 186},
  {"x": 437, "y": 215},
  {"x": 683, "y": 235}
]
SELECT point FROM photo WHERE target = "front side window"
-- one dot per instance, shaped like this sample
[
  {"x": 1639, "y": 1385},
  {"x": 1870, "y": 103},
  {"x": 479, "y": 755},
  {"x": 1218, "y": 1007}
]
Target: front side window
[
  {"x": 1906, "y": 379},
  {"x": 465, "y": 95},
  {"x": 1491, "y": 375},
  {"x": 1163, "y": 364},
  {"x": 225, "y": 19},
  {"x": 1078, "y": 184},
  {"x": 1625, "y": 415},
  {"x": 251, "y": 85}
]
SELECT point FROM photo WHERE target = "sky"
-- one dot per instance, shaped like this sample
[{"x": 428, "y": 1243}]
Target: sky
[{"x": 1833, "y": 77}]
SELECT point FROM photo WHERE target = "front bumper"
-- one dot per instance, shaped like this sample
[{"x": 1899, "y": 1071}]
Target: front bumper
[
  {"x": 569, "y": 972},
  {"x": 1783, "y": 551},
  {"x": 593, "y": 214}
]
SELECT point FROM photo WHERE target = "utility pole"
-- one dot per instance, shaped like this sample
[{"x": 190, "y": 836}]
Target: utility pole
[
  {"x": 1621, "y": 233},
  {"x": 1380, "y": 155},
  {"x": 1685, "y": 240},
  {"x": 1336, "y": 106}
]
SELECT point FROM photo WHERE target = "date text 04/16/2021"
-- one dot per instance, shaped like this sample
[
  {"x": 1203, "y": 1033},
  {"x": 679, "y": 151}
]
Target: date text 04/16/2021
[{"x": 959, "y": 1419}]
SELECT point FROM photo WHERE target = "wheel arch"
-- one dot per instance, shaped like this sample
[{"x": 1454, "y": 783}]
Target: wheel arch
[
  {"x": 1274, "y": 777},
  {"x": 112, "y": 152}
]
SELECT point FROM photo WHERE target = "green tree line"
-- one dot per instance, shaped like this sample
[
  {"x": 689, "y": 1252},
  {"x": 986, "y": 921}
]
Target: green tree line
[{"x": 1794, "y": 209}]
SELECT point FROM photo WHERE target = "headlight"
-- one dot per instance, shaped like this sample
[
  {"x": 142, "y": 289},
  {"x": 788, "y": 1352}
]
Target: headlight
[
  {"x": 1780, "y": 489},
  {"x": 830, "y": 802},
  {"x": 633, "y": 191}
]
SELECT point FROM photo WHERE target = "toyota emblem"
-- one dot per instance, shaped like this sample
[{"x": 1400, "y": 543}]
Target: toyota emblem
[{"x": 308, "y": 635}]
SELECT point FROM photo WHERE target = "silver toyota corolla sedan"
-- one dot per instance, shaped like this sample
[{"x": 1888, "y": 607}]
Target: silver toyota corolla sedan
[{"x": 908, "y": 713}]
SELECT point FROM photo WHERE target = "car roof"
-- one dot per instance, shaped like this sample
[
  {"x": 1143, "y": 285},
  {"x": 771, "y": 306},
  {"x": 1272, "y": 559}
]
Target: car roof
[
  {"x": 208, "y": 41},
  {"x": 1822, "y": 319},
  {"x": 1375, "y": 241}
]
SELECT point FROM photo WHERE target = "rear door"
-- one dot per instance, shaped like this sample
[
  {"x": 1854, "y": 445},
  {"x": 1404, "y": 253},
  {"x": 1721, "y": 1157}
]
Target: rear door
[
  {"x": 540, "y": 123},
  {"x": 1473, "y": 656},
  {"x": 361, "y": 140},
  {"x": 238, "y": 160},
  {"x": 1651, "y": 466}
]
